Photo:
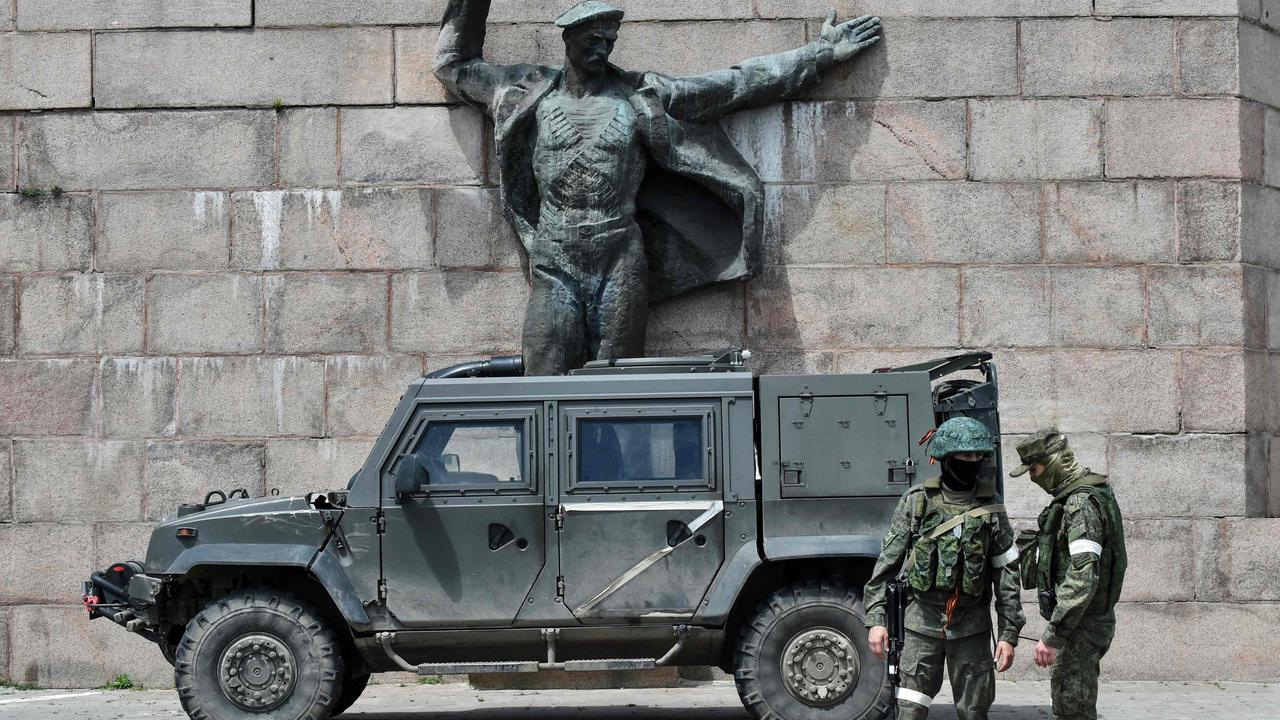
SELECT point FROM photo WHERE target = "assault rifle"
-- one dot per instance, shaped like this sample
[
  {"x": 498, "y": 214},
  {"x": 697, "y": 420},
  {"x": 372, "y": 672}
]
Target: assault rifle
[{"x": 895, "y": 623}]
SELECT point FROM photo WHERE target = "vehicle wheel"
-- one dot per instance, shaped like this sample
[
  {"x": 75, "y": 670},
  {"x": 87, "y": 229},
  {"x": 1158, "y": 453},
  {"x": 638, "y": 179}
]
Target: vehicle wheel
[
  {"x": 352, "y": 687},
  {"x": 260, "y": 652},
  {"x": 804, "y": 656},
  {"x": 170, "y": 652}
]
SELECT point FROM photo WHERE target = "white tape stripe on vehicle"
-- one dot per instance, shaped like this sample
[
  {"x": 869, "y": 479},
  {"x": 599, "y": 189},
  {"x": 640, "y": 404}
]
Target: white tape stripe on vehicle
[
  {"x": 651, "y": 506},
  {"x": 43, "y": 698},
  {"x": 912, "y": 696},
  {"x": 716, "y": 508},
  {"x": 1005, "y": 557},
  {"x": 1079, "y": 547}
]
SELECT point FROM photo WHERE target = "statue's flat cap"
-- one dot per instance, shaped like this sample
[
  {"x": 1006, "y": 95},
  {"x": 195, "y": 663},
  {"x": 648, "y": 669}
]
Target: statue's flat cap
[{"x": 591, "y": 11}]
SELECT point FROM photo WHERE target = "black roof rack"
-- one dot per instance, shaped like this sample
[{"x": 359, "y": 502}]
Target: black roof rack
[
  {"x": 945, "y": 366},
  {"x": 731, "y": 360}
]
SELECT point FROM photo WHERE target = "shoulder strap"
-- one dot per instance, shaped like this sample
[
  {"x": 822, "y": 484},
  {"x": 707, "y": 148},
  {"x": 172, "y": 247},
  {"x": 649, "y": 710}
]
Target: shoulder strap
[{"x": 949, "y": 525}]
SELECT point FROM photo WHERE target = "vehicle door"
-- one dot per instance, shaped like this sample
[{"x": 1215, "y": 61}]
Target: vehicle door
[
  {"x": 641, "y": 507},
  {"x": 466, "y": 548}
]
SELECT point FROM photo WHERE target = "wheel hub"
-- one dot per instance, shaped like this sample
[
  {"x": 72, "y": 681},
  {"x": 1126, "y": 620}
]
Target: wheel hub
[
  {"x": 820, "y": 667},
  {"x": 257, "y": 672}
]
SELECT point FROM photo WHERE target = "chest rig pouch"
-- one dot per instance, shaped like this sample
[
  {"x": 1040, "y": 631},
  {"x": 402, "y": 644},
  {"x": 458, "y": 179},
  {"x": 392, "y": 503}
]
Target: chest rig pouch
[
  {"x": 951, "y": 552},
  {"x": 1035, "y": 549},
  {"x": 1038, "y": 548}
]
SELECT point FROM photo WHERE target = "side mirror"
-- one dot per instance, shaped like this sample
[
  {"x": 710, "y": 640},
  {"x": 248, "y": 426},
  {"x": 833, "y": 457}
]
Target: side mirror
[
  {"x": 410, "y": 477},
  {"x": 452, "y": 462}
]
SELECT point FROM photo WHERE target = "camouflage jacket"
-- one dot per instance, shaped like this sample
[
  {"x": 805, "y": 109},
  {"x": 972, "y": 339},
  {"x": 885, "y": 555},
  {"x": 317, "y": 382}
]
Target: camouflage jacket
[
  {"x": 1087, "y": 564},
  {"x": 926, "y": 613}
]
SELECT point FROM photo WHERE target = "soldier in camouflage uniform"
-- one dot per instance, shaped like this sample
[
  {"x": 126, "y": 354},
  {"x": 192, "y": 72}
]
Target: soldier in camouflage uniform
[
  {"x": 1077, "y": 560},
  {"x": 951, "y": 541}
]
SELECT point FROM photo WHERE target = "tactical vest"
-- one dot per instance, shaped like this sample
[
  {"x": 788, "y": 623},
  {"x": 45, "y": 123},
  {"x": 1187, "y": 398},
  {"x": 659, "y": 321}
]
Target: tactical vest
[
  {"x": 1041, "y": 565},
  {"x": 959, "y": 556}
]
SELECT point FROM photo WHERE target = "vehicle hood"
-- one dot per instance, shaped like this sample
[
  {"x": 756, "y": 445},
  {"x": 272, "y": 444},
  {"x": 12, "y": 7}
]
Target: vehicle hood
[{"x": 255, "y": 531}]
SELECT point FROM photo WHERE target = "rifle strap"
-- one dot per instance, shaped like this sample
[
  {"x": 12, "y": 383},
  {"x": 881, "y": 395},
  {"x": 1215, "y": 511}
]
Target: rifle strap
[
  {"x": 950, "y": 525},
  {"x": 954, "y": 522}
]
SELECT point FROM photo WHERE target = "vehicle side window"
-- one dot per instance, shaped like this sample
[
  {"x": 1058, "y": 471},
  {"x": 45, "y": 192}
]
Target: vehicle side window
[
  {"x": 466, "y": 452},
  {"x": 666, "y": 451}
]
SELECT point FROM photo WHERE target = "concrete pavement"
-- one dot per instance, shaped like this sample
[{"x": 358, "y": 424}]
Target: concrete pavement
[{"x": 708, "y": 701}]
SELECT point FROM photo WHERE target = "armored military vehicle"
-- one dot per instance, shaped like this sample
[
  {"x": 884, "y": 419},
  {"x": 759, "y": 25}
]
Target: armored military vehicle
[{"x": 633, "y": 514}]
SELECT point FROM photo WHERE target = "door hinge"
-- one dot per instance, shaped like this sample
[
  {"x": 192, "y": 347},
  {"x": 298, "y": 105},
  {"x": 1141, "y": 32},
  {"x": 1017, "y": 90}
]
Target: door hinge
[
  {"x": 559, "y": 518},
  {"x": 382, "y": 591},
  {"x": 380, "y": 521},
  {"x": 560, "y": 586},
  {"x": 882, "y": 401}
]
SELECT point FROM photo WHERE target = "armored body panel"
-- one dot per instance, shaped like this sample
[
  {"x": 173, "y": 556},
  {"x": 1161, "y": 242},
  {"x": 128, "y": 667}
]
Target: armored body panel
[{"x": 629, "y": 515}]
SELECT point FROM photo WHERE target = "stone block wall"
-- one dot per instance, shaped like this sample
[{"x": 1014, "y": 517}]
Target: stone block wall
[{"x": 231, "y": 231}]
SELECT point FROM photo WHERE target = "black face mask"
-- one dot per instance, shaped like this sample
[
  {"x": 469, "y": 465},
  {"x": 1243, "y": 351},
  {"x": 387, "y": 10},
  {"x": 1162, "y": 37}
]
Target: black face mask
[{"x": 961, "y": 474}]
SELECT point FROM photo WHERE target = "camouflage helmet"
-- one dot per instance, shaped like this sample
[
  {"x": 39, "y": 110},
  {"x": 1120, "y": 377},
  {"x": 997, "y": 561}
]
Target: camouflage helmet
[{"x": 961, "y": 435}]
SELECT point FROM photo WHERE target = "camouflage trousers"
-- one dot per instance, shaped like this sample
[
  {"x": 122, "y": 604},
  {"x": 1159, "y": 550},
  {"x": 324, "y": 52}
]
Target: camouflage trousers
[
  {"x": 1074, "y": 679},
  {"x": 968, "y": 664}
]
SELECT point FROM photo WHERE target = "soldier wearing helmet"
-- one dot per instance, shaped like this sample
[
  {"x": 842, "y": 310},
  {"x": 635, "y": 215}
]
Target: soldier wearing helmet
[
  {"x": 951, "y": 542},
  {"x": 1077, "y": 561}
]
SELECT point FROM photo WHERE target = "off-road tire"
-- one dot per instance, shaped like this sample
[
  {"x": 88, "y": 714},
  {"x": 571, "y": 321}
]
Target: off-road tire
[
  {"x": 784, "y": 616},
  {"x": 352, "y": 687},
  {"x": 314, "y": 682},
  {"x": 169, "y": 652}
]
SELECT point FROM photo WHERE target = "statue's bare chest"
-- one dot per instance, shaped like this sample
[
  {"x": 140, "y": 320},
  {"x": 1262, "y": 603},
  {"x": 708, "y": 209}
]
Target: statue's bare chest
[
  {"x": 565, "y": 123},
  {"x": 588, "y": 150}
]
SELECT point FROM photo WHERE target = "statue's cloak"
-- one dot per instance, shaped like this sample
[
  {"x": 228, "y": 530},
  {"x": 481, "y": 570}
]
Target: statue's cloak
[
  {"x": 701, "y": 205},
  {"x": 700, "y": 208}
]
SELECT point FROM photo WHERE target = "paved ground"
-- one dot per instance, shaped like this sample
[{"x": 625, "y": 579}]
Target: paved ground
[{"x": 711, "y": 701}]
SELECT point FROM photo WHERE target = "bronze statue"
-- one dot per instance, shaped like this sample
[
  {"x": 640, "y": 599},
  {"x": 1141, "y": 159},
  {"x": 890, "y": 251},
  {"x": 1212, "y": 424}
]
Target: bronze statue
[{"x": 622, "y": 186}]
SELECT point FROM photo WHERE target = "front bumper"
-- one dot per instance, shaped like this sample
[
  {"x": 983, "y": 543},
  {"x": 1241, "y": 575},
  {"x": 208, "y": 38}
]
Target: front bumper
[{"x": 127, "y": 597}]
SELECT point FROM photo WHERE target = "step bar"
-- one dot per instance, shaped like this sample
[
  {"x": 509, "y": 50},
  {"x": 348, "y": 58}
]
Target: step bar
[{"x": 551, "y": 635}]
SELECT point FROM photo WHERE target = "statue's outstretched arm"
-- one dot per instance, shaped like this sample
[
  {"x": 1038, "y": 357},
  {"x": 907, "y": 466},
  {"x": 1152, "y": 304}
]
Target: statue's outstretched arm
[
  {"x": 768, "y": 79},
  {"x": 460, "y": 63}
]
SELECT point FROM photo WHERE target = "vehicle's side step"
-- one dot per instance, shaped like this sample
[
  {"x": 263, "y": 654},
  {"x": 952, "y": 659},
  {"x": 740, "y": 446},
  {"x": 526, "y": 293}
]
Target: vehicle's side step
[
  {"x": 388, "y": 639},
  {"x": 619, "y": 664},
  {"x": 478, "y": 668},
  {"x": 532, "y": 666}
]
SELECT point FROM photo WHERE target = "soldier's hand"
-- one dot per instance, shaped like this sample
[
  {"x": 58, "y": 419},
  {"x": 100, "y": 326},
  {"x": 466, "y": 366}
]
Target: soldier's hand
[
  {"x": 850, "y": 38},
  {"x": 1004, "y": 656},
  {"x": 1045, "y": 655},
  {"x": 878, "y": 639}
]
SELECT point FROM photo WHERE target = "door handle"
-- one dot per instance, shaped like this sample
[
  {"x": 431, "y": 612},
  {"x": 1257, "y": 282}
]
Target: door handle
[
  {"x": 500, "y": 536},
  {"x": 677, "y": 532}
]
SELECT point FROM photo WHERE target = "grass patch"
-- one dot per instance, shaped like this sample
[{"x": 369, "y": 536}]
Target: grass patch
[
  {"x": 7, "y": 684},
  {"x": 431, "y": 680},
  {"x": 38, "y": 192},
  {"x": 122, "y": 682}
]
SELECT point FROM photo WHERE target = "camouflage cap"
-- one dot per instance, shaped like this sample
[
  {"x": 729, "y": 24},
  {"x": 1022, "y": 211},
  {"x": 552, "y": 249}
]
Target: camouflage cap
[
  {"x": 961, "y": 435},
  {"x": 591, "y": 11},
  {"x": 1038, "y": 448}
]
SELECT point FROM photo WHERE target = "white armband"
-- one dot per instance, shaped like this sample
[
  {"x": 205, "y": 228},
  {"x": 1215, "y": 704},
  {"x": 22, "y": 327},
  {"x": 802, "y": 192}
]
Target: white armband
[
  {"x": 1080, "y": 547},
  {"x": 1005, "y": 557}
]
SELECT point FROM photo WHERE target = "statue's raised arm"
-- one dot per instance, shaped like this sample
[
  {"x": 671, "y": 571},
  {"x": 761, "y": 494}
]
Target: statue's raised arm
[
  {"x": 621, "y": 187},
  {"x": 460, "y": 63},
  {"x": 768, "y": 79}
]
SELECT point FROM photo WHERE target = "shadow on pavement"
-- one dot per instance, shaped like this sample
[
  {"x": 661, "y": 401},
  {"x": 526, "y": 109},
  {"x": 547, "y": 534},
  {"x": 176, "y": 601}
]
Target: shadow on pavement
[
  {"x": 578, "y": 712},
  {"x": 641, "y": 712}
]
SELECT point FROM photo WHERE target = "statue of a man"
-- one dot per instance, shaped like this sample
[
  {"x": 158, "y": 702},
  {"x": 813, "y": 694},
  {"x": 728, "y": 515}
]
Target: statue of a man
[{"x": 621, "y": 185}]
